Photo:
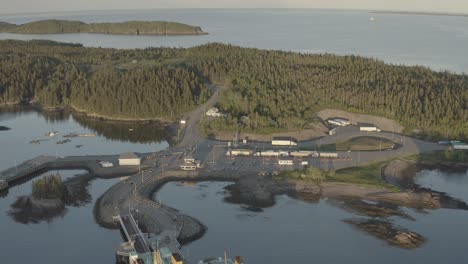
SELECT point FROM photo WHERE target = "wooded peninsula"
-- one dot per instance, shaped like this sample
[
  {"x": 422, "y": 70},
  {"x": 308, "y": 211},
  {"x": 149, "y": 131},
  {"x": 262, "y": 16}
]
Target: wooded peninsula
[
  {"x": 123, "y": 28},
  {"x": 273, "y": 89}
]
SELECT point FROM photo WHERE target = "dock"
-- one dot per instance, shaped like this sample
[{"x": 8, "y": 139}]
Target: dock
[
  {"x": 142, "y": 247},
  {"x": 30, "y": 167}
]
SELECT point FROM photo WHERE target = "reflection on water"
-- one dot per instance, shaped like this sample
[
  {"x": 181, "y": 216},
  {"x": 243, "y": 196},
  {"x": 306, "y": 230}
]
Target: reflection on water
[
  {"x": 28, "y": 209},
  {"x": 455, "y": 184},
  {"x": 295, "y": 231},
  {"x": 133, "y": 132},
  {"x": 386, "y": 231},
  {"x": 61, "y": 234}
]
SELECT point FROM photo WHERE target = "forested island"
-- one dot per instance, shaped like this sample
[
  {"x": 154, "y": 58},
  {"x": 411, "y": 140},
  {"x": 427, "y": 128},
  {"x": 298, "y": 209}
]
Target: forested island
[
  {"x": 122, "y": 28},
  {"x": 266, "y": 90}
]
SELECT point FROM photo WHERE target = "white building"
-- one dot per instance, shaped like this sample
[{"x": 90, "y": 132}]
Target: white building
[
  {"x": 214, "y": 112},
  {"x": 285, "y": 162},
  {"x": 129, "y": 159},
  {"x": 188, "y": 167},
  {"x": 189, "y": 159},
  {"x": 284, "y": 141}
]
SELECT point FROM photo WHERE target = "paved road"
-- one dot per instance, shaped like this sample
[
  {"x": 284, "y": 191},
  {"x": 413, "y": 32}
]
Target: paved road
[{"x": 192, "y": 133}]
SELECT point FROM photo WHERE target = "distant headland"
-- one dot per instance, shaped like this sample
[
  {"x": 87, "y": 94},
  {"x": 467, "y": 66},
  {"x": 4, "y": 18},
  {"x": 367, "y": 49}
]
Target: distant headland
[
  {"x": 419, "y": 13},
  {"x": 120, "y": 28}
]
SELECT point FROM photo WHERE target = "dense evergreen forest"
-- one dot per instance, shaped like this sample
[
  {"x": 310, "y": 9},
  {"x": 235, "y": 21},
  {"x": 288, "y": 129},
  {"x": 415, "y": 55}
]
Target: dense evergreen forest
[
  {"x": 125, "y": 28},
  {"x": 274, "y": 89}
]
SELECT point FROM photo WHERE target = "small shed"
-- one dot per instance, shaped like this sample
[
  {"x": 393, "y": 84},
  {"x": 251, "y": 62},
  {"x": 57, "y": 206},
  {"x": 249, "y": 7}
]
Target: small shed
[{"x": 129, "y": 159}]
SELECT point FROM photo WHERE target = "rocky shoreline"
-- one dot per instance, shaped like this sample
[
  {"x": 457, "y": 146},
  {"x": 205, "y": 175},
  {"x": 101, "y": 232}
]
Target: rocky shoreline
[
  {"x": 402, "y": 172},
  {"x": 260, "y": 192}
]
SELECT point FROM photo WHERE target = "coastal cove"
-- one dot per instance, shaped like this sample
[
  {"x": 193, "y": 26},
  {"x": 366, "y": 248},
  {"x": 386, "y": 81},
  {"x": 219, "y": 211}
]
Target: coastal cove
[
  {"x": 272, "y": 155},
  {"x": 318, "y": 223}
]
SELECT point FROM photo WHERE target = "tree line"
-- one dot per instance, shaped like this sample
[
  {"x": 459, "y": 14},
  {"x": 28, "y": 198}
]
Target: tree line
[{"x": 276, "y": 90}]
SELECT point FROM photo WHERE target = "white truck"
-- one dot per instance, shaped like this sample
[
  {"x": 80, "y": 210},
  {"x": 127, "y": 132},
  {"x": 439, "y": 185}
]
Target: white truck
[
  {"x": 267, "y": 153},
  {"x": 369, "y": 129},
  {"x": 330, "y": 155}
]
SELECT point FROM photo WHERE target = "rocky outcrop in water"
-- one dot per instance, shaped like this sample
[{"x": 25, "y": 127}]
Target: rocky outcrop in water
[{"x": 386, "y": 231}]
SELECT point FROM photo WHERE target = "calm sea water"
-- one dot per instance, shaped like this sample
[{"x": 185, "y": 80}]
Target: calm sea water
[
  {"x": 73, "y": 237},
  {"x": 292, "y": 230},
  {"x": 295, "y": 231},
  {"x": 438, "y": 42}
]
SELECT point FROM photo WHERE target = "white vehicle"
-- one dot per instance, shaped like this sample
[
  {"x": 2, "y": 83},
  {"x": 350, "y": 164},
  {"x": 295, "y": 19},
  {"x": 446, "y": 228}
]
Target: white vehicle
[
  {"x": 304, "y": 163},
  {"x": 302, "y": 154},
  {"x": 106, "y": 164},
  {"x": 369, "y": 129},
  {"x": 284, "y": 141},
  {"x": 241, "y": 152},
  {"x": 460, "y": 146},
  {"x": 339, "y": 122},
  {"x": 285, "y": 162},
  {"x": 268, "y": 153},
  {"x": 328, "y": 155}
]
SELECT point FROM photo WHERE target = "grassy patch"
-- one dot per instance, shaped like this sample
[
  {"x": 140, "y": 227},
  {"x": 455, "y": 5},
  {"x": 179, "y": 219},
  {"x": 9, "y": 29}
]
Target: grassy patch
[
  {"x": 369, "y": 175},
  {"x": 364, "y": 143}
]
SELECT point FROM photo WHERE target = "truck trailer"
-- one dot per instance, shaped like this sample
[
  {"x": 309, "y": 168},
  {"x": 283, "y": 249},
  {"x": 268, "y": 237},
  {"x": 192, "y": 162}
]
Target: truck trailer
[
  {"x": 369, "y": 129},
  {"x": 302, "y": 154},
  {"x": 267, "y": 153},
  {"x": 332, "y": 155},
  {"x": 239, "y": 152}
]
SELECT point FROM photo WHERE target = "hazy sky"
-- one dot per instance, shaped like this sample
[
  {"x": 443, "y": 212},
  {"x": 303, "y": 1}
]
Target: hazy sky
[{"x": 21, "y": 6}]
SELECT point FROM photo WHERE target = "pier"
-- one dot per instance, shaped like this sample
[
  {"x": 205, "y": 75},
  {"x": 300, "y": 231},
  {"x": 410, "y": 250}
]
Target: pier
[
  {"x": 30, "y": 167},
  {"x": 142, "y": 247}
]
